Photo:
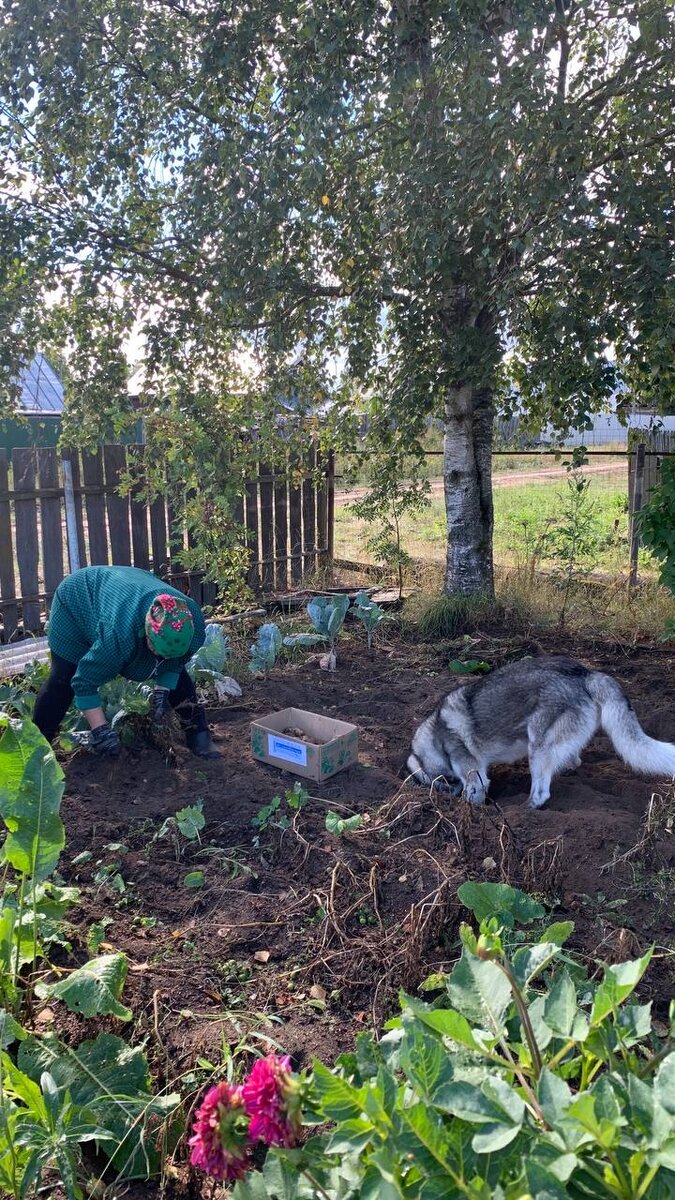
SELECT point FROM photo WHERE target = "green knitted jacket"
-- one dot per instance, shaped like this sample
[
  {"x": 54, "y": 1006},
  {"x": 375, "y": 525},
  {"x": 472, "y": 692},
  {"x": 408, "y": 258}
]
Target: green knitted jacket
[{"x": 97, "y": 620}]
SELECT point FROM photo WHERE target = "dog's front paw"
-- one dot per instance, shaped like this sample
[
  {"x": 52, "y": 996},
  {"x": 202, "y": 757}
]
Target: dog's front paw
[{"x": 474, "y": 789}]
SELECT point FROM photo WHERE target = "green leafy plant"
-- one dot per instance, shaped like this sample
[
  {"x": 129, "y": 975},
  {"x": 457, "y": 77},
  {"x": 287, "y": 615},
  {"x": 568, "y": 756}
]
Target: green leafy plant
[
  {"x": 338, "y": 825},
  {"x": 272, "y": 815},
  {"x": 527, "y": 1079},
  {"x": 183, "y": 828},
  {"x": 109, "y": 1079},
  {"x": 55, "y": 1098},
  {"x": 368, "y": 613},
  {"x": 573, "y": 541},
  {"x": 31, "y": 789},
  {"x": 468, "y": 666},
  {"x": 47, "y": 1131},
  {"x": 194, "y": 879},
  {"x": 121, "y": 699},
  {"x": 208, "y": 664},
  {"x": 327, "y": 614},
  {"x": 265, "y": 650},
  {"x": 384, "y": 508},
  {"x": 93, "y": 989}
]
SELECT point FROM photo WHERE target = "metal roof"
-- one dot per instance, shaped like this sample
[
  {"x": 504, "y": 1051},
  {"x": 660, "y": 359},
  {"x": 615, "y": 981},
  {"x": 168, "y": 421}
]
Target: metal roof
[{"x": 41, "y": 390}]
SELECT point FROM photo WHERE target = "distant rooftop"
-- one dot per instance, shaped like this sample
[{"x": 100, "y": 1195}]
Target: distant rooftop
[{"x": 41, "y": 390}]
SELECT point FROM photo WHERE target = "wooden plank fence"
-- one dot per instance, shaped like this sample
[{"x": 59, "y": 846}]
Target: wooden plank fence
[{"x": 285, "y": 516}]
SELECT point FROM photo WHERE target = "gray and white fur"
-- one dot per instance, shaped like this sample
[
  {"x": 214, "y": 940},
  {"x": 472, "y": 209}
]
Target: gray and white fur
[{"x": 546, "y": 709}]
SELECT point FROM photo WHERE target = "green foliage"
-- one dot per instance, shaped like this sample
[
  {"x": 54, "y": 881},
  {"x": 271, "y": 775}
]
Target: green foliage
[
  {"x": 191, "y": 821},
  {"x": 265, "y": 650},
  {"x": 92, "y": 990},
  {"x": 338, "y": 825},
  {"x": 353, "y": 209},
  {"x": 509, "y": 905},
  {"x": 448, "y": 616},
  {"x": 111, "y": 1079},
  {"x": 657, "y": 523},
  {"x": 572, "y": 542},
  {"x": 208, "y": 664},
  {"x": 384, "y": 508},
  {"x": 54, "y": 1099},
  {"x": 368, "y": 613},
  {"x": 272, "y": 815},
  {"x": 327, "y": 614},
  {"x": 468, "y": 666},
  {"x": 122, "y": 698},
  {"x": 194, "y": 879},
  {"x": 528, "y": 1079},
  {"x": 30, "y": 798}
]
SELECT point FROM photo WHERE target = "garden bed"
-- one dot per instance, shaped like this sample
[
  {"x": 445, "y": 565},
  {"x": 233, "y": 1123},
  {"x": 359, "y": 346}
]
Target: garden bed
[{"x": 306, "y": 935}]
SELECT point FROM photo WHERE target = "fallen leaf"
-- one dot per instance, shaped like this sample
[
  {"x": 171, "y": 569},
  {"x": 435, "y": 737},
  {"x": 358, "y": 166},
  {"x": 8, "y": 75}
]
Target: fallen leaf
[
  {"x": 360, "y": 1017},
  {"x": 140, "y": 967},
  {"x": 403, "y": 878},
  {"x": 262, "y": 956},
  {"x": 317, "y": 992},
  {"x": 44, "y": 1017},
  {"x": 489, "y": 864}
]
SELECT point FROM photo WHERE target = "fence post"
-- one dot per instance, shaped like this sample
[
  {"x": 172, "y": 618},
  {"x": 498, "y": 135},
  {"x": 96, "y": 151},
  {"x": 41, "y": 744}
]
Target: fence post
[
  {"x": 330, "y": 545},
  {"x": 71, "y": 520},
  {"x": 635, "y": 507}
]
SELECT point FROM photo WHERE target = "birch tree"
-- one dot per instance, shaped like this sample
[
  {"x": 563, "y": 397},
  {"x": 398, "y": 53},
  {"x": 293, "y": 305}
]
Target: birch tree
[{"x": 412, "y": 206}]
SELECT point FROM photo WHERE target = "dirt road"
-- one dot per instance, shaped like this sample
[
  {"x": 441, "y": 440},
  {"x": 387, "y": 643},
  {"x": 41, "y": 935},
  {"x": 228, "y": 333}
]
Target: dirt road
[{"x": 504, "y": 479}]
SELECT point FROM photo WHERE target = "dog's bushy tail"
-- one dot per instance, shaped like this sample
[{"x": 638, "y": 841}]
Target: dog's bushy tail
[{"x": 643, "y": 753}]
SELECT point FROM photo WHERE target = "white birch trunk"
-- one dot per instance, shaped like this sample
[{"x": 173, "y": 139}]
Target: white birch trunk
[{"x": 467, "y": 473}]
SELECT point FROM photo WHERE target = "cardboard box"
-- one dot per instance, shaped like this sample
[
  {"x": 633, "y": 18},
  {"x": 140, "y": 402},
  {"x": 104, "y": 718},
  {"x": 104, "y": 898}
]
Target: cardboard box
[{"x": 327, "y": 747}]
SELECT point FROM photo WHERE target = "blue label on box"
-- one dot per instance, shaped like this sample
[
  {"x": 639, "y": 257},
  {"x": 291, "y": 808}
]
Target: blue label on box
[{"x": 293, "y": 752}]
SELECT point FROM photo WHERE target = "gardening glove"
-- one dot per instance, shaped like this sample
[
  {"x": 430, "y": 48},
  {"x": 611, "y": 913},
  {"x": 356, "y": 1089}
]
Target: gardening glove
[
  {"x": 105, "y": 742},
  {"x": 159, "y": 706}
]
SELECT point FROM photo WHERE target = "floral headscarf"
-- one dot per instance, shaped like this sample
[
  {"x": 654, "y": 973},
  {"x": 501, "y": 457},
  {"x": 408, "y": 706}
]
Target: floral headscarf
[{"x": 169, "y": 626}]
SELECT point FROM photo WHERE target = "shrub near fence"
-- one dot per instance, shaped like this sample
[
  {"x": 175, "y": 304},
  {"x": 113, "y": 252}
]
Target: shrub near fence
[{"x": 286, "y": 521}]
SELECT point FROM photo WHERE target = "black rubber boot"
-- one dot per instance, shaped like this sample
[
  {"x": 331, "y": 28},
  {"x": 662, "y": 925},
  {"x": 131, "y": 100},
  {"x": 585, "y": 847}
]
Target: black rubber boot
[{"x": 198, "y": 742}]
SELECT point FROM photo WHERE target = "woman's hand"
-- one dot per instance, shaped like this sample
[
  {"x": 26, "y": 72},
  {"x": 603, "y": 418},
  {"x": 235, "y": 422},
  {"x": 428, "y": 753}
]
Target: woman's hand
[{"x": 104, "y": 741}]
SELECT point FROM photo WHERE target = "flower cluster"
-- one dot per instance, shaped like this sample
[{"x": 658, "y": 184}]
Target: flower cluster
[
  {"x": 266, "y": 1108},
  {"x": 272, "y": 1100},
  {"x": 220, "y": 1144}
]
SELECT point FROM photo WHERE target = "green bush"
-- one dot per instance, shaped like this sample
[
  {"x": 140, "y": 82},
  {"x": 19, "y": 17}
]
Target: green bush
[{"x": 527, "y": 1078}]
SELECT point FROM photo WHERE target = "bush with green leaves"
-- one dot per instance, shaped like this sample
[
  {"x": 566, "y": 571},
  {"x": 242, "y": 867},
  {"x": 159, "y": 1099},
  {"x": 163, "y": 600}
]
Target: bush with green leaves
[
  {"x": 55, "y": 1098},
  {"x": 523, "y": 1077}
]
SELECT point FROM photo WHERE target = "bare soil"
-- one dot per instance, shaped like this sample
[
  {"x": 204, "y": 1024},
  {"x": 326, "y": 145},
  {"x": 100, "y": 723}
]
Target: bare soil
[{"x": 306, "y": 937}]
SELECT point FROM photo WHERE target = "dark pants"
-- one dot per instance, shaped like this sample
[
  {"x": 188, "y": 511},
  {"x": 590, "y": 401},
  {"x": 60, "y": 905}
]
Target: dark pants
[{"x": 56, "y": 696}]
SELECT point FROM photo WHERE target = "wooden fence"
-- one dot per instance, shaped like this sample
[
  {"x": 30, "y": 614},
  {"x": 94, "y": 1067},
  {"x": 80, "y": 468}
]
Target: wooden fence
[{"x": 286, "y": 519}]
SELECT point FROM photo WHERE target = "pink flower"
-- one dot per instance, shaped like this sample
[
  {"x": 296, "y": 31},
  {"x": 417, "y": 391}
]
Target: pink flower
[
  {"x": 272, "y": 1100},
  {"x": 220, "y": 1144}
]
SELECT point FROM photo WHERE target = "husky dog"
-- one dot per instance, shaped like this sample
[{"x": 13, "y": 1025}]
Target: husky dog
[{"x": 544, "y": 708}]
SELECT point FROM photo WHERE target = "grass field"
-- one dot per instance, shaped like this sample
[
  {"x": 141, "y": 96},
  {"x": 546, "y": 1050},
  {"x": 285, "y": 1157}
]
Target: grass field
[{"x": 523, "y": 515}]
